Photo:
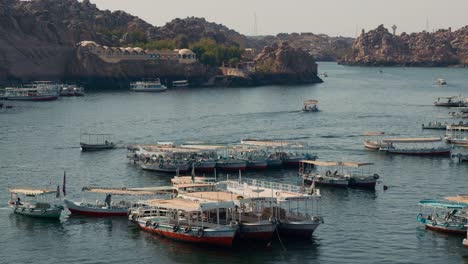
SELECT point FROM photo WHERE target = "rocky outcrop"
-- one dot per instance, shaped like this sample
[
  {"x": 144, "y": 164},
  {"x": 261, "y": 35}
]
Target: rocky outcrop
[
  {"x": 279, "y": 63},
  {"x": 321, "y": 46},
  {"x": 380, "y": 47}
]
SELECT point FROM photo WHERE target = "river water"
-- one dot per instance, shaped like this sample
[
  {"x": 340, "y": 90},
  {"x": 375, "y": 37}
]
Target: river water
[{"x": 38, "y": 141}]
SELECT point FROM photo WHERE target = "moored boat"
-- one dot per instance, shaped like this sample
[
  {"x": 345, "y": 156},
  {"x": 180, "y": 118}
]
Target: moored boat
[
  {"x": 450, "y": 101},
  {"x": 457, "y": 135},
  {"x": 188, "y": 221},
  {"x": 445, "y": 216},
  {"x": 421, "y": 148},
  {"x": 231, "y": 164},
  {"x": 148, "y": 86},
  {"x": 375, "y": 143},
  {"x": 435, "y": 125},
  {"x": 129, "y": 197},
  {"x": 441, "y": 81},
  {"x": 36, "y": 203},
  {"x": 38, "y": 91},
  {"x": 310, "y": 106},
  {"x": 180, "y": 83},
  {"x": 96, "y": 142}
]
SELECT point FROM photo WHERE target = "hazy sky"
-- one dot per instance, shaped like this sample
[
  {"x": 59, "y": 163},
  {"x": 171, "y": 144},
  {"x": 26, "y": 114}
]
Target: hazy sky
[{"x": 332, "y": 17}]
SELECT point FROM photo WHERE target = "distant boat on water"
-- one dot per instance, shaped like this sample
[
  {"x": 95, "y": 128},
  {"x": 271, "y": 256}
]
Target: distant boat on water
[
  {"x": 148, "y": 86},
  {"x": 37, "y": 91},
  {"x": 180, "y": 83}
]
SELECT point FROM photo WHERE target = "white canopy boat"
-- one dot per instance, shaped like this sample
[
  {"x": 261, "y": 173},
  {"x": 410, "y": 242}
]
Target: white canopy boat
[
  {"x": 310, "y": 106},
  {"x": 457, "y": 135},
  {"x": 96, "y": 142},
  {"x": 188, "y": 221},
  {"x": 148, "y": 86}
]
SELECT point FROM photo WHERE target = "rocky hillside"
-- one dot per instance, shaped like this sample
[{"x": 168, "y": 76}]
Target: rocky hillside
[
  {"x": 322, "y": 47},
  {"x": 380, "y": 47},
  {"x": 283, "y": 61}
]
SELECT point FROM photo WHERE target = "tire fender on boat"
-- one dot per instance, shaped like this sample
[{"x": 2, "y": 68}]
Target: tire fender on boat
[
  {"x": 434, "y": 223},
  {"x": 44, "y": 211},
  {"x": 22, "y": 209},
  {"x": 419, "y": 216},
  {"x": 328, "y": 173},
  {"x": 31, "y": 210},
  {"x": 148, "y": 223},
  {"x": 155, "y": 225},
  {"x": 376, "y": 176},
  {"x": 175, "y": 228},
  {"x": 187, "y": 229}
]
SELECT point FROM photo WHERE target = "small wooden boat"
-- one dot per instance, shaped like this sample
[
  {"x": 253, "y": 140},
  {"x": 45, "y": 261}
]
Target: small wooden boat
[
  {"x": 376, "y": 143},
  {"x": 35, "y": 203},
  {"x": 187, "y": 221},
  {"x": 96, "y": 142},
  {"x": 461, "y": 157},
  {"x": 445, "y": 216},
  {"x": 441, "y": 81},
  {"x": 180, "y": 83},
  {"x": 231, "y": 164},
  {"x": 435, "y": 125},
  {"x": 166, "y": 165},
  {"x": 419, "y": 150},
  {"x": 450, "y": 101},
  {"x": 129, "y": 197},
  {"x": 310, "y": 106},
  {"x": 344, "y": 174}
]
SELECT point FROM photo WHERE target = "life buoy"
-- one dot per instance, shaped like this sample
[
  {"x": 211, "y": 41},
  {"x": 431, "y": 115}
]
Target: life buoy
[
  {"x": 328, "y": 173},
  {"x": 187, "y": 229},
  {"x": 200, "y": 232},
  {"x": 376, "y": 176}
]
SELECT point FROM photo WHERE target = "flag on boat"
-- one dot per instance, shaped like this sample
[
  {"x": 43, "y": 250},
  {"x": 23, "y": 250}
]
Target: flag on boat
[
  {"x": 57, "y": 194},
  {"x": 64, "y": 182}
]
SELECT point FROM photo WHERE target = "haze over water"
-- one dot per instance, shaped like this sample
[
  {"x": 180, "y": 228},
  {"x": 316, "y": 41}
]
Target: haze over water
[{"x": 40, "y": 140}]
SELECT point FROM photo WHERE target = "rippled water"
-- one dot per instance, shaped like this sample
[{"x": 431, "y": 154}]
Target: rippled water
[{"x": 40, "y": 140}]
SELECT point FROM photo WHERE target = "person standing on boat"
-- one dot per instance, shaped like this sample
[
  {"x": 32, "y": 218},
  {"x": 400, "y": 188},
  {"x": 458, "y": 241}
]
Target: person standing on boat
[
  {"x": 108, "y": 200},
  {"x": 18, "y": 202}
]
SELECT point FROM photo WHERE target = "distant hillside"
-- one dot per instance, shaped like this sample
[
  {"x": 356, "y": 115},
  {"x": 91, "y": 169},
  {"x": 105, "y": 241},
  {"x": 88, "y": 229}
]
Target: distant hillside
[{"x": 380, "y": 47}]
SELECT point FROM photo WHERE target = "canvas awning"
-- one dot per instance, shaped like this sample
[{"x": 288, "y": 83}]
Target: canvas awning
[
  {"x": 321, "y": 163},
  {"x": 130, "y": 191},
  {"x": 32, "y": 191},
  {"x": 189, "y": 205},
  {"x": 310, "y": 102},
  {"x": 371, "y": 133},
  {"x": 412, "y": 140}
]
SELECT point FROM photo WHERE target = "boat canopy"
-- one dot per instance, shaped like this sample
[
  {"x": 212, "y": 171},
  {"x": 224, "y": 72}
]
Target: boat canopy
[
  {"x": 412, "y": 140},
  {"x": 189, "y": 179},
  {"x": 337, "y": 163},
  {"x": 371, "y": 133},
  {"x": 463, "y": 199},
  {"x": 189, "y": 205},
  {"x": 202, "y": 147},
  {"x": 355, "y": 164},
  {"x": 443, "y": 204},
  {"x": 32, "y": 191},
  {"x": 192, "y": 185},
  {"x": 455, "y": 127},
  {"x": 448, "y": 97},
  {"x": 130, "y": 191},
  {"x": 265, "y": 143},
  {"x": 311, "y": 102}
]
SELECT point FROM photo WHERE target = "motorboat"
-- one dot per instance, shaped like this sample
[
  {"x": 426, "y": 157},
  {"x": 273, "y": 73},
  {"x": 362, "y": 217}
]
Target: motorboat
[
  {"x": 418, "y": 147},
  {"x": 71, "y": 90},
  {"x": 148, "y": 86},
  {"x": 37, "y": 91},
  {"x": 310, "y": 106},
  {"x": 450, "y": 101},
  {"x": 461, "y": 157},
  {"x": 36, "y": 202},
  {"x": 441, "y": 81},
  {"x": 188, "y": 221},
  {"x": 96, "y": 142}
]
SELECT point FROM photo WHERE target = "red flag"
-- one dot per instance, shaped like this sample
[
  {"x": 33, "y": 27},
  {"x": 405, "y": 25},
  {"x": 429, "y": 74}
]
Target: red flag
[{"x": 63, "y": 185}]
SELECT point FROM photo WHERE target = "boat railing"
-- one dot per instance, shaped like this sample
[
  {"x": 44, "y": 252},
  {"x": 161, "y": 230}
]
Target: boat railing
[{"x": 275, "y": 186}]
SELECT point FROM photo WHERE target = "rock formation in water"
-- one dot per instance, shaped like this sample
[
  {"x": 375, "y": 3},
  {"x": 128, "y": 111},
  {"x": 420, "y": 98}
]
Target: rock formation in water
[
  {"x": 380, "y": 47},
  {"x": 282, "y": 61}
]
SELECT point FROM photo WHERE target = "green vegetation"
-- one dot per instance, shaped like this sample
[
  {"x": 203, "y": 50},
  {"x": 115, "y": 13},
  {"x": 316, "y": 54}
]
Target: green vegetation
[{"x": 211, "y": 53}]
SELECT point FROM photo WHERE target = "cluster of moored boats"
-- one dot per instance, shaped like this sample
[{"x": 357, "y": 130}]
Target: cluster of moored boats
[
  {"x": 194, "y": 209},
  {"x": 250, "y": 154},
  {"x": 41, "y": 91}
]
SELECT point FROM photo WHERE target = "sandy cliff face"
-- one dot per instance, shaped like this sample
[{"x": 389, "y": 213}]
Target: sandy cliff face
[{"x": 380, "y": 47}]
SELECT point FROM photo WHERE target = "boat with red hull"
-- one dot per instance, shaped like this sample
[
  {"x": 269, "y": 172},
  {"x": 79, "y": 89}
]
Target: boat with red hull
[
  {"x": 444, "y": 216},
  {"x": 187, "y": 221}
]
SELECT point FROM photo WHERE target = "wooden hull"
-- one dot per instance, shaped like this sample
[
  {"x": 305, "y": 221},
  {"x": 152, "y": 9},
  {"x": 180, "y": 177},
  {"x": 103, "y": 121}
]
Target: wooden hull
[
  {"x": 146, "y": 90},
  {"x": 79, "y": 209},
  {"x": 165, "y": 169},
  {"x": 439, "y": 153},
  {"x": 363, "y": 183},
  {"x": 257, "y": 232},
  {"x": 337, "y": 183},
  {"x": 257, "y": 165},
  {"x": 298, "y": 229},
  {"x": 51, "y": 213},
  {"x": 274, "y": 162},
  {"x": 222, "y": 238},
  {"x": 32, "y": 98},
  {"x": 205, "y": 166},
  {"x": 458, "y": 142},
  {"x": 447, "y": 230},
  {"x": 231, "y": 165}
]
